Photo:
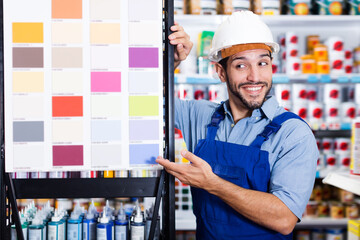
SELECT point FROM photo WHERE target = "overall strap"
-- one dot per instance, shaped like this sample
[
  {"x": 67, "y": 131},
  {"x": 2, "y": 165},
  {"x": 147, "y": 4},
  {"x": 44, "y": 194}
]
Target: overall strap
[
  {"x": 216, "y": 118},
  {"x": 273, "y": 127}
]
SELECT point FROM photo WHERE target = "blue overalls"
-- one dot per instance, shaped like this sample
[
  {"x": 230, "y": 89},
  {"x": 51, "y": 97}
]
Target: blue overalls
[{"x": 245, "y": 166}]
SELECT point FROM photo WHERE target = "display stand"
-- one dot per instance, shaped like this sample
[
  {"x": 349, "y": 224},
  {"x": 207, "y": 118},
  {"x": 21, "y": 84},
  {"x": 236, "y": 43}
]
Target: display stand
[{"x": 160, "y": 187}]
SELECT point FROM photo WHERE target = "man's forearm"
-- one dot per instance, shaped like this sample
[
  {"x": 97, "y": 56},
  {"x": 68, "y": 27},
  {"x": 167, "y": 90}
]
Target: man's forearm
[{"x": 260, "y": 207}]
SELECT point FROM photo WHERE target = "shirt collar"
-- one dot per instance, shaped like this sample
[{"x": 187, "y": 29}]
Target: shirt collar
[{"x": 268, "y": 108}]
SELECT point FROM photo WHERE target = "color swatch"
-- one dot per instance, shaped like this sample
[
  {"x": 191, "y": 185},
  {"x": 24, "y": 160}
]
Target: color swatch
[
  {"x": 143, "y": 82},
  {"x": 28, "y": 131},
  {"x": 105, "y": 33},
  {"x": 67, "y": 9},
  {"x": 28, "y": 107},
  {"x": 106, "y": 106},
  {"x": 70, "y": 57},
  {"x": 144, "y": 153},
  {"x": 69, "y": 106},
  {"x": 143, "y": 106},
  {"x": 66, "y": 33},
  {"x": 28, "y": 82},
  {"x": 84, "y": 84},
  {"x": 25, "y": 32},
  {"x": 105, "y": 82},
  {"x": 144, "y": 10},
  {"x": 68, "y": 155},
  {"x": 105, "y": 130},
  {"x": 67, "y": 131},
  {"x": 105, "y": 9},
  {"x": 67, "y": 82},
  {"x": 106, "y": 57},
  {"x": 106, "y": 155},
  {"x": 143, "y": 57},
  {"x": 144, "y": 130},
  {"x": 28, "y": 57}
]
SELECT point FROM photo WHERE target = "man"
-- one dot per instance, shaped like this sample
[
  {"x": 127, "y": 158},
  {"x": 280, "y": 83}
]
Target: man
[{"x": 254, "y": 164}]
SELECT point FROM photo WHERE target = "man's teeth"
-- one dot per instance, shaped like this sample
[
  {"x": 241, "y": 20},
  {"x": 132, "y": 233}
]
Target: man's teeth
[{"x": 253, "y": 88}]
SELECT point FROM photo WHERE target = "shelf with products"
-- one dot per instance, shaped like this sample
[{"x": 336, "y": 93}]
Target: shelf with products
[
  {"x": 277, "y": 78},
  {"x": 189, "y": 223},
  {"x": 344, "y": 180},
  {"x": 279, "y": 20}
]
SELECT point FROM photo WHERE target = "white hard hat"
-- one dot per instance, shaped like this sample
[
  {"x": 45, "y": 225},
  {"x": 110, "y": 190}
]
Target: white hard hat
[{"x": 243, "y": 27}]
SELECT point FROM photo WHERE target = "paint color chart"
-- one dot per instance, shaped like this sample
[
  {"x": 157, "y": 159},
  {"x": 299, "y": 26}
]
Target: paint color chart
[{"x": 83, "y": 84}]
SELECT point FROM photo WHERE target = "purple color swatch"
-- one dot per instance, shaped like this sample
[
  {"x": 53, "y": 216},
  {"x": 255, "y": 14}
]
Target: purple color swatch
[
  {"x": 143, "y": 57},
  {"x": 144, "y": 130}
]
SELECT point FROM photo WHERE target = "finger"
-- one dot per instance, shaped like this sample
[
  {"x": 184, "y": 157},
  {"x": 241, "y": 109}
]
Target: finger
[
  {"x": 181, "y": 54},
  {"x": 191, "y": 157},
  {"x": 170, "y": 165},
  {"x": 177, "y": 28},
  {"x": 179, "y": 35}
]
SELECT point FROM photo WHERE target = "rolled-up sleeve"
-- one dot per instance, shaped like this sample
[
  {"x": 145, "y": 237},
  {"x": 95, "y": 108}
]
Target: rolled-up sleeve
[{"x": 293, "y": 174}]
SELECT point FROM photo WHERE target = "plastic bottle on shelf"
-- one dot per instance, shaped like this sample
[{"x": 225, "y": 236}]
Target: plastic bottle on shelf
[
  {"x": 240, "y": 5},
  {"x": 178, "y": 7},
  {"x": 56, "y": 227},
  {"x": 74, "y": 226},
  {"x": 270, "y": 7},
  {"x": 24, "y": 227},
  {"x": 89, "y": 223},
  {"x": 36, "y": 229},
  {"x": 121, "y": 225},
  {"x": 104, "y": 227},
  {"x": 296, "y": 7},
  {"x": 208, "y": 7},
  {"x": 137, "y": 225}
]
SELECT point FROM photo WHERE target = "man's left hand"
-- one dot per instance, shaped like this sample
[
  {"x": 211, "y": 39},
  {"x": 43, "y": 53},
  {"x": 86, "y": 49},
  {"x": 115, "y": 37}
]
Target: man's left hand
[{"x": 196, "y": 174}]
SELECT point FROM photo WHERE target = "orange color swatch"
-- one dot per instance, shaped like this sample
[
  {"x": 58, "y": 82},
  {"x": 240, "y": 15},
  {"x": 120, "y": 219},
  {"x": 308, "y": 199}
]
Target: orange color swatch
[
  {"x": 70, "y": 106},
  {"x": 70, "y": 9}
]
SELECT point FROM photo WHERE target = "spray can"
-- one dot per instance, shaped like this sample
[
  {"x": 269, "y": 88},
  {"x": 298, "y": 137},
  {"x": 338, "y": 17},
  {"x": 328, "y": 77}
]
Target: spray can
[
  {"x": 104, "y": 228},
  {"x": 24, "y": 227},
  {"x": 36, "y": 229},
  {"x": 74, "y": 227},
  {"x": 56, "y": 228},
  {"x": 89, "y": 223},
  {"x": 121, "y": 225},
  {"x": 137, "y": 226}
]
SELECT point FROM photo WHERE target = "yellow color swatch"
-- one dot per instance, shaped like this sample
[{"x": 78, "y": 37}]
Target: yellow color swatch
[
  {"x": 28, "y": 32},
  {"x": 143, "y": 106},
  {"x": 26, "y": 82},
  {"x": 104, "y": 33}
]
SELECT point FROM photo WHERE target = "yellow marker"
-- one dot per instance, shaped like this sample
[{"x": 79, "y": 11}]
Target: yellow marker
[{"x": 108, "y": 174}]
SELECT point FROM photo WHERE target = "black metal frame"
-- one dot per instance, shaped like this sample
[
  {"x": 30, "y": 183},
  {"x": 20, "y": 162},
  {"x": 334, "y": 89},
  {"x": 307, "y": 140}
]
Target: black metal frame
[{"x": 159, "y": 187}]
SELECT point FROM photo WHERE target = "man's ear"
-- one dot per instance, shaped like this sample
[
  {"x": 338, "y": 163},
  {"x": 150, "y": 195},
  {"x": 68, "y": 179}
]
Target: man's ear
[{"x": 221, "y": 72}]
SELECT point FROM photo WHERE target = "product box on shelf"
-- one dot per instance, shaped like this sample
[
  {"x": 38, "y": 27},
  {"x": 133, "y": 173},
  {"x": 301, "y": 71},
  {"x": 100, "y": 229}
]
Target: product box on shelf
[{"x": 353, "y": 230}]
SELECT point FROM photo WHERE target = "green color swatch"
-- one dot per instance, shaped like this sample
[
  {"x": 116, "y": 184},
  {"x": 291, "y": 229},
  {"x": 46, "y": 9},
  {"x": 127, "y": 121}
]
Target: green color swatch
[{"x": 143, "y": 106}]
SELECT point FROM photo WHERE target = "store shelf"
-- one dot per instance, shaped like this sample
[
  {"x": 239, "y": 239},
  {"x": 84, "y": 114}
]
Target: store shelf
[
  {"x": 189, "y": 223},
  {"x": 321, "y": 222},
  {"x": 277, "y": 78},
  {"x": 303, "y": 21},
  {"x": 344, "y": 180},
  {"x": 185, "y": 221},
  {"x": 86, "y": 188}
]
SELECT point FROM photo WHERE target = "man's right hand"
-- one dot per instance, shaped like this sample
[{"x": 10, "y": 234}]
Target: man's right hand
[{"x": 181, "y": 40}]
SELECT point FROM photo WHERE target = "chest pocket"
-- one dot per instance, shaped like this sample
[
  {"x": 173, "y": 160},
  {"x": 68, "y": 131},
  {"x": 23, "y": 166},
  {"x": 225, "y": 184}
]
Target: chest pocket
[{"x": 232, "y": 174}]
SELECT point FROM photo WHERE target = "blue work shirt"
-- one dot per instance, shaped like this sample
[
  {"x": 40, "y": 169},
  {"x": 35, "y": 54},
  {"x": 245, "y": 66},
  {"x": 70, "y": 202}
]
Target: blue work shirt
[{"x": 293, "y": 151}]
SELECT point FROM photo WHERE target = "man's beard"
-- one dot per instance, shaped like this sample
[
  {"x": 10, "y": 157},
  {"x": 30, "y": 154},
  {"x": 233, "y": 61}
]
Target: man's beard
[{"x": 248, "y": 104}]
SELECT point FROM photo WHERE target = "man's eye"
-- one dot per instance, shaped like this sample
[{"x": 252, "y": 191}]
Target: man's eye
[
  {"x": 263, "y": 63},
  {"x": 240, "y": 66}
]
